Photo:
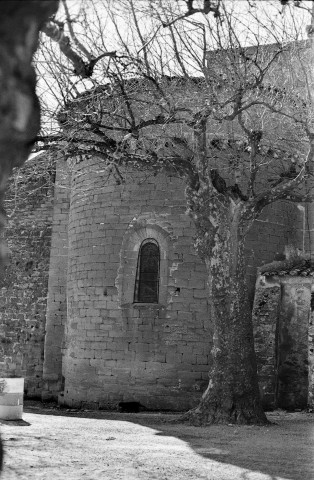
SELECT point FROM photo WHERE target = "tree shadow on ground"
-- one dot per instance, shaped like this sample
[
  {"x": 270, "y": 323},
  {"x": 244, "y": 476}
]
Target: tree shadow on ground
[
  {"x": 278, "y": 451},
  {"x": 281, "y": 451}
]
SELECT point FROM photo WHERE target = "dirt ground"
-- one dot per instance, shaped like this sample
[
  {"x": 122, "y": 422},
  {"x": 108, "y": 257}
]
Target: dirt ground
[{"x": 55, "y": 444}]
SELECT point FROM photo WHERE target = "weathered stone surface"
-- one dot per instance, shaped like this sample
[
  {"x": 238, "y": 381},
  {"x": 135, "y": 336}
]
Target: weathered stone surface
[
  {"x": 19, "y": 107},
  {"x": 279, "y": 225},
  {"x": 283, "y": 340},
  {"x": 24, "y": 281},
  {"x": 19, "y": 124},
  {"x": 265, "y": 320},
  {"x": 116, "y": 350},
  {"x": 56, "y": 313},
  {"x": 293, "y": 343},
  {"x": 311, "y": 356}
]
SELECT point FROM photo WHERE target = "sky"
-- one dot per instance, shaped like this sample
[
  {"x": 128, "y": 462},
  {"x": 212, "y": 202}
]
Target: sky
[{"x": 265, "y": 22}]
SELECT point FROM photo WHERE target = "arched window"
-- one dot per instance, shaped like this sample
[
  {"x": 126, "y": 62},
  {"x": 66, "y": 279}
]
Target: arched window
[{"x": 147, "y": 273}]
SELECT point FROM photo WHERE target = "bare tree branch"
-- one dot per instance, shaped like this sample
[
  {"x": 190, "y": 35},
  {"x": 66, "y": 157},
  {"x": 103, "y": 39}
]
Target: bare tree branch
[
  {"x": 208, "y": 7},
  {"x": 81, "y": 68}
]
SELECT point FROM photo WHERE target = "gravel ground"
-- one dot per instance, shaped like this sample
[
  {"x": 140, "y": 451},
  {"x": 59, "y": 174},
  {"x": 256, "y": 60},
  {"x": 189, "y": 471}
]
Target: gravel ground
[{"x": 55, "y": 444}]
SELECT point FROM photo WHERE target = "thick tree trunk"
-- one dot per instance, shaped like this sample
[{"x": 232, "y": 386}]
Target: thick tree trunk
[
  {"x": 20, "y": 22},
  {"x": 232, "y": 395}
]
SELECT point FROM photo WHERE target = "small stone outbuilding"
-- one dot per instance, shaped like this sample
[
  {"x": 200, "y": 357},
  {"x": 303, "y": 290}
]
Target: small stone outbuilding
[{"x": 284, "y": 332}]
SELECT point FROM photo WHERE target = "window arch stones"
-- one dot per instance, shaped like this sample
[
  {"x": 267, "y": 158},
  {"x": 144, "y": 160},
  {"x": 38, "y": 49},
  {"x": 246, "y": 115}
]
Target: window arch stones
[{"x": 139, "y": 234}]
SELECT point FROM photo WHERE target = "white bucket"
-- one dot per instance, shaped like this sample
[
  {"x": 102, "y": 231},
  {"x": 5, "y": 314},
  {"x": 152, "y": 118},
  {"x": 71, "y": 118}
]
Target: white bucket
[{"x": 11, "y": 398}]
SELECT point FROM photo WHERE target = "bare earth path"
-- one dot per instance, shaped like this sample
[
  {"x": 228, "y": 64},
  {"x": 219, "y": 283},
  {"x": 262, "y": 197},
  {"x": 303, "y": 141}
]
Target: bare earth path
[{"x": 104, "y": 445}]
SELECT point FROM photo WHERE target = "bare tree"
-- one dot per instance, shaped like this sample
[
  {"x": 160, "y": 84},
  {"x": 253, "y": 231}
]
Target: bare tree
[{"x": 230, "y": 115}]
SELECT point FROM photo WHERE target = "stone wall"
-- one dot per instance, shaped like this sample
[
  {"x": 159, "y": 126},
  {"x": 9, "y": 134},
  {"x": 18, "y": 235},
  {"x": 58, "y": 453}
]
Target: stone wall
[
  {"x": 99, "y": 346},
  {"x": 265, "y": 322},
  {"x": 283, "y": 341},
  {"x": 280, "y": 225},
  {"x": 311, "y": 355},
  {"x": 56, "y": 314},
  {"x": 293, "y": 330},
  {"x": 23, "y": 287},
  {"x": 116, "y": 350}
]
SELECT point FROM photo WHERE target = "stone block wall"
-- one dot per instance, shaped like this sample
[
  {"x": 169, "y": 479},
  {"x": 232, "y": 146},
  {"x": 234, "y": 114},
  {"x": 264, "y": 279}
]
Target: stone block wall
[
  {"x": 23, "y": 283},
  {"x": 311, "y": 355},
  {"x": 266, "y": 312},
  {"x": 56, "y": 314},
  {"x": 282, "y": 332},
  {"x": 105, "y": 347},
  {"x": 115, "y": 350},
  {"x": 293, "y": 336},
  {"x": 281, "y": 225}
]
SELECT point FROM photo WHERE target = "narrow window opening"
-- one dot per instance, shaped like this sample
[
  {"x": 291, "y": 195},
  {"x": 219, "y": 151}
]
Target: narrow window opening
[{"x": 147, "y": 273}]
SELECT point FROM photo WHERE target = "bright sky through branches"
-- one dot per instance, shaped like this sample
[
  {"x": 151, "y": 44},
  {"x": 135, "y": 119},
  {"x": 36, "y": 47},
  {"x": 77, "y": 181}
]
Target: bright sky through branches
[{"x": 106, "y": 25}]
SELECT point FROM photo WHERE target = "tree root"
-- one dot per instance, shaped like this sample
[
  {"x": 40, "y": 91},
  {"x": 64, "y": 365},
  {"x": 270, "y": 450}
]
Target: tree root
[{"x": 198, "y": 418}]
